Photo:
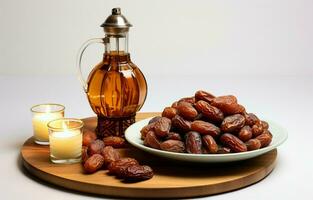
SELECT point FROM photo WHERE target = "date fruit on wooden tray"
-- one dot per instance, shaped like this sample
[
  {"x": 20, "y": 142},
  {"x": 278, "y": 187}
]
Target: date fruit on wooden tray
[
  {"x": 206, "y": 124},
  {"x": 100, "y": 154}
]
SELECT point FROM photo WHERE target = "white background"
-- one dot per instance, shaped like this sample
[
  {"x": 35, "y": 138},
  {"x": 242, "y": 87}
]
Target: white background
[
  {"x": 260, "y": 51},
  {"x": 266, "y": 38}
]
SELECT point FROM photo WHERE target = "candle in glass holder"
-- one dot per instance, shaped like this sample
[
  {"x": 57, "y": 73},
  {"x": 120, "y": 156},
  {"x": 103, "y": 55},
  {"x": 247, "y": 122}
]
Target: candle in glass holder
[
  {"x": 42, "y": 115},
  {"x": 65, "y": 136}
]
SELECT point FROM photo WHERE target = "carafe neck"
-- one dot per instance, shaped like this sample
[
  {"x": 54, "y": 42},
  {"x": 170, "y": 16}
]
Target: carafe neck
[{"x": 116, "y": 45}]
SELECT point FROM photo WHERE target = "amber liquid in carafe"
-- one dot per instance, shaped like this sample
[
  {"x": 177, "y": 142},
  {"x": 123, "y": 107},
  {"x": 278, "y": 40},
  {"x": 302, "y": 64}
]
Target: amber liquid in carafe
[{"x": 116, "y": 86}]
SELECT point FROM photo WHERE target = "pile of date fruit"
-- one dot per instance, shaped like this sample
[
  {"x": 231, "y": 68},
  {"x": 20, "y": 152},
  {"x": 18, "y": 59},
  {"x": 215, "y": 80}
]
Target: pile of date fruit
[
  {"x": 103, "y": 154},
  {"x": 205, "y": 124}
]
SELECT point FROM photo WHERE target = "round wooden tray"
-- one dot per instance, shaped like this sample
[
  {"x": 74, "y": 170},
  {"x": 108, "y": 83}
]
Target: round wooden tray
[{"x": 172, "y": 179}]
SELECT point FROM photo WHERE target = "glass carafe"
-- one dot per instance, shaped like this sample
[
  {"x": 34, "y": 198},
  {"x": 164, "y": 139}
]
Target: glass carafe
[{"x": 116, "y": 88}]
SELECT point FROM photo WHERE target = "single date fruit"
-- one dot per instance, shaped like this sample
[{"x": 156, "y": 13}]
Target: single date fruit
[
  {"x": 250, "y": 119},
  {"x": 212, "y": 113},
  {"x": 193, "y": 142},
  {"x": 245, "y": 133},
  {"x": 173, "y": 136},
  {"x": 187, "y": 111},
  {"x": 257, "y": 129},
  {"x": 265, "y": 139},
  {"x": 119, "y": 166},
  {"x": 95, "y": 147},
  {"x": 93, "y": 163},
  {"x": 228, "y": 104},
  {"x": 146, "y": 129},
  {"x": 114, "y": 141},
  {"x": 180, "y": 124},
  {"x": 232, "y": 142},
  {"x": 205, "y": 96},
  {"x": 151, "y": 140},
  {"x": 190, "y": 100},
  {"x": 253, "y": 144},
  {"x": 169, "y": 112},
  {"x": 154, "y": 119},
  {"x": 162, "y": 127},
  {"x": 232, "y": 123},
  {"x": 173, "y": 146},
  {"x": 205, "y": 128},
  {"x": 210, "y": 144},
  {"x": 137, "y": 173},
  {"x": 109, "y": 155}
]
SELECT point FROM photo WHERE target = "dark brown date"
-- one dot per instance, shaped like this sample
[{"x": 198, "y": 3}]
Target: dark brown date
[
  {"x": 228, "y": 105},
  {"x": 245, "y": 133},
  {"x": 119, "y": 166},
  {"x": 223, "y": 150},
  {"x": 114, "y": 141},
  {"x": 232, "y": 142},
  {"x": 190, "y": 100},
  {"x": 253, "y": 144},
  {"x": 265, "y": 139},
  {"x": 93, "y": 163},
  {"x": 173, "y": 136},
  {"x": 181, "y": 124},
  {"x": 212, "y": 113},
  {"x": 232, "y": 123},
  {"x": 88, "y": 137},
  {"x": 205, "y": 96},
  {"x": 257, "y": 129},
  {"x": 95, "y": 147},
  {"x": 154, "y": 119},
  {"x": 146, "y": 129},
  {"x": 224, "y": 100},
  {"x": 162, "y": 127},
  {"x": 193, "y": 142},
  {"x": 209, "y": 144},
  {"x": 250, "y": 119},
  {"x": 151, "y": 140},
  {"x": 169, "y": 112},
  {"x": 187, "y": 111},
  {"x": 205, "y": 128},
  {"x": 173, "y": 146},
  {"x": 109, "y": 155},
  {"x": 137, "y": 173}
]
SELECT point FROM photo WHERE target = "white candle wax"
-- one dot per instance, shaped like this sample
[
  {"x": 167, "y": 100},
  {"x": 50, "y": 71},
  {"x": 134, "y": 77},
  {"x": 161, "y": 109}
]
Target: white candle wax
[
  {"x": 40, "y": 121},
  {"x": 66, "y": 144}
]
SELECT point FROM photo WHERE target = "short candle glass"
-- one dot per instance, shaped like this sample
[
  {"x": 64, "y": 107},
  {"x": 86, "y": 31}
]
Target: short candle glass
[
  {"x": 42, "y": 115},
  {"x": 65, "y": 136}
]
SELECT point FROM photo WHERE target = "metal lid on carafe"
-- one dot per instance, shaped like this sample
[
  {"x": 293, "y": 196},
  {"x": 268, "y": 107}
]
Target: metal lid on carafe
[{"x": 116, "y": 24}]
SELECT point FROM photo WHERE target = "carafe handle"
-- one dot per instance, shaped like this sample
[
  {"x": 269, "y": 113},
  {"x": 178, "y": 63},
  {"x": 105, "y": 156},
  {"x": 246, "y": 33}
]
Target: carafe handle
[{"x": 80, "y": 56}]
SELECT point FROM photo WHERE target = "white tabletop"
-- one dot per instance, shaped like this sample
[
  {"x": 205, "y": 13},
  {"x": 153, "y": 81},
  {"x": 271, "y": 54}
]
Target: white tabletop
[{"x": 285, "y": 100}]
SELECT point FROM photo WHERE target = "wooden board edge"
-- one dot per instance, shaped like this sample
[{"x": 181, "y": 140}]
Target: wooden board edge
[{"x": 179, "y": 192}]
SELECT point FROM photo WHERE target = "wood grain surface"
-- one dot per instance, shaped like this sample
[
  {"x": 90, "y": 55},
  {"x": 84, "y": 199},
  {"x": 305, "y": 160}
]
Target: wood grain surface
[{"x": 173, "y": 179}]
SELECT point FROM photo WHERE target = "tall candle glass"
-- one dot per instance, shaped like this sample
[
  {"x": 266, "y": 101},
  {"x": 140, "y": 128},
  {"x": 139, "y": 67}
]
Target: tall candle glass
[
  {"x": 65, "y": 136},
  {"x": 42, "y": 115}
]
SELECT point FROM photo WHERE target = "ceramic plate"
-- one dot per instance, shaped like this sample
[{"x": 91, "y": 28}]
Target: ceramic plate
[{"x": 133, "y": 135}]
